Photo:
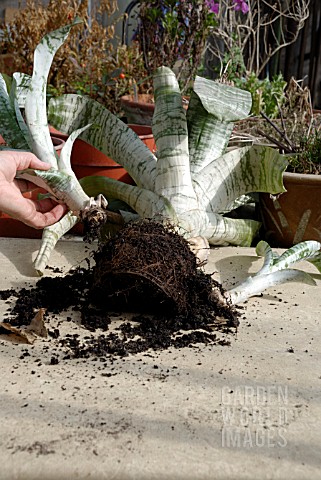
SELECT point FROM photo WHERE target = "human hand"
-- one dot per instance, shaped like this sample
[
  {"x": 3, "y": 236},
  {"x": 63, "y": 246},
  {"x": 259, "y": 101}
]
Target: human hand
[{"x": 35, "y": 213}]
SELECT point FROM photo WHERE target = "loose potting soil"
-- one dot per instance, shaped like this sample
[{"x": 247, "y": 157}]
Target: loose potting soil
[{"x": 146, "y": 269}]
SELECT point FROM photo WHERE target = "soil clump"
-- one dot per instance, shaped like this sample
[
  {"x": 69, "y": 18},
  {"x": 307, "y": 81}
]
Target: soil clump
[{"x": 146, "y": 269}]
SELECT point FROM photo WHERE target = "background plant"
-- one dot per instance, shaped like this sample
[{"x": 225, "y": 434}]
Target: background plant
[
  {"x": 308, "y": 159},
  {"x": 257, "y": 34},
  {"x": 267, "y": 94},
  {"x": 245, "y": 47},
  {"x": 90, "y": 63},
  {"x": 174, "y": 33},
  {"x": 295, "y": 129}
]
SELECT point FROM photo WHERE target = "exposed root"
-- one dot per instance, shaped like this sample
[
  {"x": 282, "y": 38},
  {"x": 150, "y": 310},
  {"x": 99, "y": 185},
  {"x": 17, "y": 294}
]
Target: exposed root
[
  {"x": 148, "y": 267},
  {"x": 95, "y": 219},
  {"x": 201, "y": 248}
]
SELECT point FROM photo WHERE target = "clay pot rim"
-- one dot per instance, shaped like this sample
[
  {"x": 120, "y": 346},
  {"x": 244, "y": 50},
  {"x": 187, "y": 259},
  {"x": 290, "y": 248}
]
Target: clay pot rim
[
  {"x": 58, "y": 143},
  {"x": 145, "y": 101},
  {"x": 301, "y": 178},
  {"x": 143, "y": 136}
]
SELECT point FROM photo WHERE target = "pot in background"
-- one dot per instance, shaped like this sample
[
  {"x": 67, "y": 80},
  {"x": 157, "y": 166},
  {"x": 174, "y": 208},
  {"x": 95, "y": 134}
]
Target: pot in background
[
  {"x": 140, "y": 109},
  {"x": 87, "y": 160},
  {"x": 293, "y": 216}
]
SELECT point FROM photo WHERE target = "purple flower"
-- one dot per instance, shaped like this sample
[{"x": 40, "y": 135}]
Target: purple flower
[
  {"x": 241, "y": 5},
  {"x": 212, "y": 6}
]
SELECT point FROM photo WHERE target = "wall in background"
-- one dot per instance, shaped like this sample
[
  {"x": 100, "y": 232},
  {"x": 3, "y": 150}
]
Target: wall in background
[{"x": 302, "y": 59}]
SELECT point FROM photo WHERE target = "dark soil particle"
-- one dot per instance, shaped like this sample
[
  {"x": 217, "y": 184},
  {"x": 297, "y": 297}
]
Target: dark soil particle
[{"x": 146, "y": 269}]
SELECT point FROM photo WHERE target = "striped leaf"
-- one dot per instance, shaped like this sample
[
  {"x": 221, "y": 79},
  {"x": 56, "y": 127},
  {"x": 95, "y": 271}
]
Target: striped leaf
[
  {"x": 50, "y": 237},
  {"x": 212, "y": 111},
  {"x": 173, "y": 177},
  {"x": 145, "y": 202},
  {"x": 14, "y": 94},
  {"x": 65, "y": 154},
  {"x": 276, "y": 271},
  {"x": 263, "y": 249},
  {"x": 108, "y": 134},
  {"x": 64, "y": 186},
  {"x": 300, "y": 251},
  {"x": 36, "y": 101},
  {"x": 226, "y": 103},
  {"x": 22, "y": 86},
  {"x": 257, "y": 284},
  {"x": 240, "y": 171},
  {"x": 10, "y": 128},
  {"x": 230, "y": 231}
]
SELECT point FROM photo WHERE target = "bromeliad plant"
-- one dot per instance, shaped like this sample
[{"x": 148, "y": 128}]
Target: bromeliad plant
[
  {"x": 194, "y": 179},
  {"x": 191, "y": 182}
]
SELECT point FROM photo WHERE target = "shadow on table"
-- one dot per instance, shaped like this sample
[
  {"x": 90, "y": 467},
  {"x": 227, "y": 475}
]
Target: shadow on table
[{"x": 22, "y": 252}]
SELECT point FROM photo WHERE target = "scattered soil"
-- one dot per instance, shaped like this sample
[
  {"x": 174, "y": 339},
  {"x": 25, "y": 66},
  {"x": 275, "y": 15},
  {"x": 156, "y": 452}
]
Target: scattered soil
[{"x": 146, "y": 269}]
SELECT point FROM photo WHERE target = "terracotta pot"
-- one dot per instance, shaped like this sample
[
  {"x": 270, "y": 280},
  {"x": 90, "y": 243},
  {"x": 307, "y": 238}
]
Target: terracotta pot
[
  {"x": 87, "y": 160},
  {"x": 295, "y": 215},
  {"x": 58, "y": 143},
  {"x": 141, "y": 110},
  {"x": 10, "y": 227}
]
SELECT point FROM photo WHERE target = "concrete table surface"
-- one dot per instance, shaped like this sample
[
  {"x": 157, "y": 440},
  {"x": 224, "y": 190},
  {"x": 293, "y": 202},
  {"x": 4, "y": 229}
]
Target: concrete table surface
[{"x": 251, "y": 410}]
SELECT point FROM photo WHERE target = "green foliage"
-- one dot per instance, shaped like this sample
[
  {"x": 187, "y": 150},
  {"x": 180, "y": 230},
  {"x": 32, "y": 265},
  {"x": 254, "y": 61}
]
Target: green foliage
[
  {"x": 267, "y": 95},
  {"x": 308, "y": 159},
  {"x": 174, "y": 34},
  {"x": 296, "y": 131},
  {"x": 233, "y": 63}
]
